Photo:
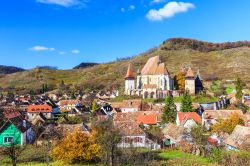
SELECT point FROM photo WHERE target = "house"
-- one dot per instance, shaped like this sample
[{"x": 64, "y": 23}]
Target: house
[
  {"x": 173, "y": 134},
  {"x": 246, "y": 118},
  {"x": 210, "y": 117},
  {"x": 127, "y": 106},
  {"x": 34, "y": 110},
  {"x": 188, "y": 120},
  {"x": 68, "y": 105},
  {"x": 15, "y": 129},
  {"x": 239, "y": 139},
  {"x": 147, "y": 120},
  {"x": 134, "y": 136}
]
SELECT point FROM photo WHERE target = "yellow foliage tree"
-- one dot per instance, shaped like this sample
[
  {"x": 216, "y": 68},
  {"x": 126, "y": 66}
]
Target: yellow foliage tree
[
  {"x": 228, "y": 125},
  {"x": 180, "y": 81},
  {"x": 76, "y": 147}
]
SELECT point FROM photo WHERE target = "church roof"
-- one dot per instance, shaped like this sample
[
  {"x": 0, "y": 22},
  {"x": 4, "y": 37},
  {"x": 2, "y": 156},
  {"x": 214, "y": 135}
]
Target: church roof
[
  {"x": 130, "y": 73},
  {"x": 189, "y": 73},
  {"x": 154, "y": 67}
]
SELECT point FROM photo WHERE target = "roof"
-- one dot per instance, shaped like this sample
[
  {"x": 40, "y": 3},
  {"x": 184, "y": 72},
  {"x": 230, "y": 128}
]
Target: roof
[
  {"x": 11, "y": 113},
  {"x": 129, "y": 128},
  {"x": 220, "y": 114},
  {"x": 190, "y": 73},
  {"x": 130, "y": 73},
  {"x": 173, "y": 131},
  {"x": 154, "y": 67},
  {"x": 68, "y": 102},
  {"x": 127, "y": 104},
  {"x": 147, "y": 119},
  {"x": 39, "y": 108},
  {"x": 183, "y": 116},
  {"x": 239, "y": 136}
]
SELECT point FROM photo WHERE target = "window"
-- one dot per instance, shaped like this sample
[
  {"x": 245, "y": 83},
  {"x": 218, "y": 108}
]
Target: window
[{"x": 8, "y": 139}]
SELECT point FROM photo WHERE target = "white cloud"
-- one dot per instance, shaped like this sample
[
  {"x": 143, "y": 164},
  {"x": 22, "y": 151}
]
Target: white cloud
[
  {"x": 64, "y": 3},
  {"x": 75, "y": 51},
  {"x": 131, "y": 7},
  {"x": 169, "y": 10},
  {"x": 157, "y": 1},
  {"x": 62, "y": 53},
  {"x": 122, "y": 10},
  {"x": 42, "y": 48}
]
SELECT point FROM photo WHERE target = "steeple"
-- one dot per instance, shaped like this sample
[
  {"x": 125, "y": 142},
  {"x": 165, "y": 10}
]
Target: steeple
[
  {"x": 190, "y": 73},
  {"x": 198, "y": 74},
  {"x": 130, "y": 73}
]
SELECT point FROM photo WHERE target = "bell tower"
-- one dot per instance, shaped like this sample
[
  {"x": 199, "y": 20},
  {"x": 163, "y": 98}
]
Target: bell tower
[{"x": 129, "y": 81}]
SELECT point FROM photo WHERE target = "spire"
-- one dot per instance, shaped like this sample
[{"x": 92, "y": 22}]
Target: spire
[
  {"x": 190, "y": 73},
  {"x": 130, "y": 73},
  {"x": 198, "y": 74}
]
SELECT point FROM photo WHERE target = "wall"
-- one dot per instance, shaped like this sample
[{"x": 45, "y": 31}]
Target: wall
[{"x": 10, "y": 130}]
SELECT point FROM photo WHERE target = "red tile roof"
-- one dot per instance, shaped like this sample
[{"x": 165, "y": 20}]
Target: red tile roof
[
  {"x": 154, "y": 67},
  {"x": 147, "y": 119},
  {"x": 183, "y": 116},
  {"x": 190, "y": 73},
  {"x": 39, "y": 108},
  {"x": 130, "y": 73}
]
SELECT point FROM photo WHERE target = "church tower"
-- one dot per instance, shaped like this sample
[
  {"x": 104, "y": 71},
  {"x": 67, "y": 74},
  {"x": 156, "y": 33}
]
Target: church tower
[
  {"x": 190, "y": 81},
  {"x": 129, "y": 81}
]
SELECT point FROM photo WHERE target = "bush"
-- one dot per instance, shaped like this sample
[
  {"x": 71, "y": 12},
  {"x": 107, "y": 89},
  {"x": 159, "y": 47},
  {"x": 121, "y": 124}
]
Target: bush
[{"x": 233, "y": 158}]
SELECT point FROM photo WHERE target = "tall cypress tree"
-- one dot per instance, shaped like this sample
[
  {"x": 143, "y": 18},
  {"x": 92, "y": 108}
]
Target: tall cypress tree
[
  {"x": 169, "y": 111},
  {"x": 239, "y": 88},
  {"x": 186, "y": 103}
]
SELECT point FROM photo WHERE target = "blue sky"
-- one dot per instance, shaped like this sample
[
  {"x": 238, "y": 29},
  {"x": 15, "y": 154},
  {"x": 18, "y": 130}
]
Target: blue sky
[{"x": 64, "y": 33}]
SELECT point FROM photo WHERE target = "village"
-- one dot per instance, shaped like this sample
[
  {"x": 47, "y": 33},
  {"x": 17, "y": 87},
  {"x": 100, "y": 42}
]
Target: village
[{"x": 156, "y": 111}]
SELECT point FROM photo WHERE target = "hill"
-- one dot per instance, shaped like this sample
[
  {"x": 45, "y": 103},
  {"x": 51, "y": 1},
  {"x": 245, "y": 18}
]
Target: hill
[
  {"x": 85, "y": 65},
  {"x": 9, "y": 69},
  {"x": 220, "y": 63}
]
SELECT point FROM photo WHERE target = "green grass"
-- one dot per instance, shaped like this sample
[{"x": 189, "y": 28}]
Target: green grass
[
  {"x": 198, "y": 99},
  {"x": 177, "y": 157}
]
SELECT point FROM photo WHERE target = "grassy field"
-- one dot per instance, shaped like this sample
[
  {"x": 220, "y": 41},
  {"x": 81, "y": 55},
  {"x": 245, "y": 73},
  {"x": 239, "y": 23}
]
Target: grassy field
[
  {"x": 178, "y": 158},
  {"x": 167, "y": 157}
]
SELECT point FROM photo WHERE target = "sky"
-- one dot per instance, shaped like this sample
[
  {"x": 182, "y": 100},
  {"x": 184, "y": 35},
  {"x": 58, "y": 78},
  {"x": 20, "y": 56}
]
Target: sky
[{"x": 64, "y": 33}]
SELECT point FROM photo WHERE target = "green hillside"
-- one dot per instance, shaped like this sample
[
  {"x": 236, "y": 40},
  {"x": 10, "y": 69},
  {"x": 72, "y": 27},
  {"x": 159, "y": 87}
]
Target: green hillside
[{"x": 222, "y": 61}]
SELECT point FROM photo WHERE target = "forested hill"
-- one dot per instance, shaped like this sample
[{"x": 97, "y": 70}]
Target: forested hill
[
  {"x": 184, "y": 43},
  {"x": 214, "y": 60},
  {"x": 9, "y": 69}
]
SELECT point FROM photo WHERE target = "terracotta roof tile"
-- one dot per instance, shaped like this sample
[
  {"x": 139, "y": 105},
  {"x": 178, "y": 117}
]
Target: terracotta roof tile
[
  {"x": 220, "y": 114},
  {"x": 183, "y": 116},
  {"x": 147, "y": 119},
  {"x": 39, "y": 108},
  {"x": 154, "y": 67},
  {"x": 130, "y": 73},
  {"x": 190, "y": 73}
]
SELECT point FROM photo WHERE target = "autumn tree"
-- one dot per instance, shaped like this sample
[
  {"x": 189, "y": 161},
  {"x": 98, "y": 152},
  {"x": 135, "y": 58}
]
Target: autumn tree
[
  {"x": 186, "y": 103},
  {"x": 76, "y": 147},
  {"x": 94, "y": 105},
  {"x": 228, "y": 125},
  {"x": 108, "y": 137},
  {"x": 169, "y": 111},
  {"x": 180, "y": 81}
]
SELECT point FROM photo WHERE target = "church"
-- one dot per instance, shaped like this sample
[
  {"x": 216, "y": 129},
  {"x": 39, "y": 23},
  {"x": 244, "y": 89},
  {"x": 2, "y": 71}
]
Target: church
[{"x": 154, "y": 80}]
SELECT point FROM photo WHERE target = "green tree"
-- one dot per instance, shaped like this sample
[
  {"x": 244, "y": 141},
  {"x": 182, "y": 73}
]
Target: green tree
[
  {"x": 94, "y": 105},
  {"x": 199, "y": 135},
  {"x": 108, "y": 137},
  {"x": 239, "y": 87},
  {"x": 169, "y": 111},
  {"x": 186, "y": 103}
]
